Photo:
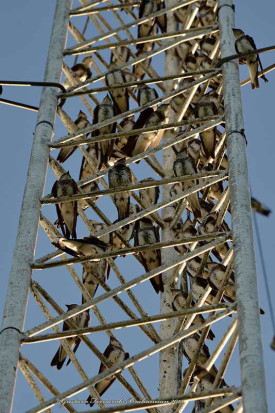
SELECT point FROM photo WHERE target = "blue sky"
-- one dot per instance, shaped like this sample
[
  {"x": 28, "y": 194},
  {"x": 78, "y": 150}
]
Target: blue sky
[{"x": 25, "y": 30}]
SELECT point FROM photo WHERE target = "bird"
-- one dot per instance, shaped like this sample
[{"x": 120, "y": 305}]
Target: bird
[
  {"x": 119, "y": 176},
  {"x": 82, "y": 247},
  {"x": 208, "y": 137},
  {"x": 66, "y": 211},
  {"x": 81, "y": 71},
  {"x": 259, "y": 207},
  {"x": 189, "y": 346},
  {"x": 147, "y": 233},
  {"x": 190, "y": 63},
  {"x": 91, "y": 269},
  {"x": 185, "y": 165},
  {"x": 216, "y": 279},
  {"x": 142, "y": 142},
  {"x": 147, "y": 28},
  {"x": 119, "y": 55},
  {"x": 99, "y": 270},
  {"x": 87, "y": 170},
  {"x": 81, "y": 122},
  {"x": 207, "y": 44},
  {"x": 198, "y": 286},
  {"x": 115, "y": 354},
  {"x": 127, "y": 125},
  {"x": 146, "y": 94},
  {"x": 206, "y": 384},
  {"x": 182, "y": 50},
  {"x": 102, "y": 112},
  {"x": 149, "y": 196},
  {"x": 183, "y": 230},
  {"x": 119, "y": 95},
  {"x": 245, "y": 44},
  {"x": 179, "y": 303},
  {"x": 206, "y": 15},
  {"x": 81, "y": 320},
  {"x": 126, "y": 232}
]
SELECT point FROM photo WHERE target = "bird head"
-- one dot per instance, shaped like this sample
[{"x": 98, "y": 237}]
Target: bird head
[
  {"x": 238, "y": 33},
  {"x": 87, "y": 61},
  {"x": 71, "y": 306},
  {"x": 64, "y": 176},
  {"x": 107, "y": 100}
]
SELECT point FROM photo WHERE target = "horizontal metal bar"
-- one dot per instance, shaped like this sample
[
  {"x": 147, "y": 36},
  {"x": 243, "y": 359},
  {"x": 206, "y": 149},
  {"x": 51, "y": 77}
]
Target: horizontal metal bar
[
  {"x": 126, "y": 251},
  {"x": 104, "y": 8},
  {"x": 139, "y": 131},
  {"x": 126, "y": 323},
  {"x": 31, "y": 83},
  {"x": 140, "y": 40},
  {"x": 191, "y": 396},
  {"x": 88, "y": 5},
  {"x": 134, "y": 359},
  {"x": 118, "y": 290},
  {"x": 19, "y": 105},
  {"x": 49, "y": 199},
  {"x": 136, "y": 22}
]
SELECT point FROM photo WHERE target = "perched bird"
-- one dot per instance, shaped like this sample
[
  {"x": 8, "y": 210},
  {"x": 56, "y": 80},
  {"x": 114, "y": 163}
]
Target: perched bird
[
  {"x": 115, "y": 354},
  {"x": 102, "y": 112},
  {"x": 120, "y": 95},
  {"x": 91, "y": 269},
  {"x": 87, "y": 170},
  {"x": 189, "y": 346},
  {"x": 206, "y": 384},
  {"x": 206, "y": 15},
  {"x": 81, "y": 71},
  {"x": 216, "y": 279},
  {"x": 182, "y": 50},
  {"x": 119, "y": 176},
  {"x": 147, "y": 233},
  {"x": 181, "y": 14},
  {"x": 186, "y": 83},
  {"x": 179, "y": 303},
  {"x": 245, "y": 44},
  {"x": 208, "y": 137},
  {"x": 209, "y": 225},
  {"x": 185, "y": 165},
  {"x": 207, "y": 44},
  {"x": 81, "y": 247},
  {"x": 190, "y": 63},
  {"x": 126, "y": 232},
  {"x": 259, "y": 207},
  {"x": 198, "y": 286},
  {"x": 183, "y": 230},
  {"x": 81, "y": 122},
  {"x": 66, "y": 211},
  {"x": 149, "y": 196},
  {"x": 119, "y": 55},
  {"x": 81, "y": 321},
  {"x": 140, "y": 143},
  {"x": 146, "y": 94},
  {"x": 148, "y": 28},
  {"x": 127, "y": 124}
]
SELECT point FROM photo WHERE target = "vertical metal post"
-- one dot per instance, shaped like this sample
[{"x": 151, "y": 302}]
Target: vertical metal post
[
  {"x": 251, "y": 355},
  {"x": 169, "y": 358},
  {"x": 15, "y": 308}
]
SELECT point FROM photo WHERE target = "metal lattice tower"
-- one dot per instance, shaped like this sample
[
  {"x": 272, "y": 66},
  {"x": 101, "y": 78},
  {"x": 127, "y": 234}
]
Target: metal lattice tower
[{"x": 206, "y": 266}]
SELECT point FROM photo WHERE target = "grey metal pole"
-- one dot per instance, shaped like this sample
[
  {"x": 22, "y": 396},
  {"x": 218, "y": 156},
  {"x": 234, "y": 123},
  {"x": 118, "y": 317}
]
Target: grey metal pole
[
  {"x": 251, "y": 354},
  {"x": 169, "y": 371},
  {"x": 15, "y": 308}
]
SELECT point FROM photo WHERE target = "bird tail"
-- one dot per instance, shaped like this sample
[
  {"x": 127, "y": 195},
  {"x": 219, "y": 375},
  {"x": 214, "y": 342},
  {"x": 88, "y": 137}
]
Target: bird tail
[
  {"x": 59, "y": 358},
  {"x": 90, "y": 401}
]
